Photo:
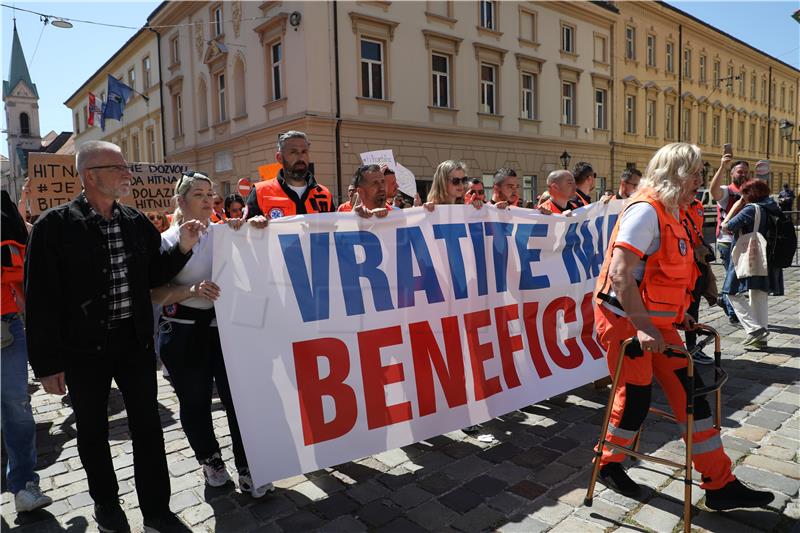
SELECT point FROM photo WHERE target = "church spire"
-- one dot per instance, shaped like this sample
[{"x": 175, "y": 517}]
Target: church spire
[{"x": 19, "y": 68}]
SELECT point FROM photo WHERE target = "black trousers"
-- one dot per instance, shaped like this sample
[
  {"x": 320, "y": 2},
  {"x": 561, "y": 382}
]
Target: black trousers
[
  {"x": 88, "y": 379},
  {"x": 193, "y": 355}
]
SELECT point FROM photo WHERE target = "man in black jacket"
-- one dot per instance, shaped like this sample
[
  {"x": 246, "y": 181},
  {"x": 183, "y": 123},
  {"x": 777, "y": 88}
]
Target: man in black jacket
[{"x": 90, "y": 265}]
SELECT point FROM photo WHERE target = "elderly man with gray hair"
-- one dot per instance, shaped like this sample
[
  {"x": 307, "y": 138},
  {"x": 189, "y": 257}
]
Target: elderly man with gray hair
[
  {"x": 294, "y": 191},
  {"x": 90, "y": 266},
  {"x": 560, "y": 188}
]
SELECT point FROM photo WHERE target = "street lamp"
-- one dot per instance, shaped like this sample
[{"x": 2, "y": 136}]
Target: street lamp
[
  {"x": 565, "y": 157},
  {"x": 786, "y": 128}
]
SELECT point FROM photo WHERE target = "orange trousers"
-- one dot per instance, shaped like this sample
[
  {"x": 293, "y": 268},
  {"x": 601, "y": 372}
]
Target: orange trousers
[{"x": 632, "y": 398}]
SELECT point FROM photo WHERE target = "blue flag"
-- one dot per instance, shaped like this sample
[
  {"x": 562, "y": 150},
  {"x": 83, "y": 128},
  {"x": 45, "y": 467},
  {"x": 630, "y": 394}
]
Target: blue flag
[{"x": 118, "y": 96}]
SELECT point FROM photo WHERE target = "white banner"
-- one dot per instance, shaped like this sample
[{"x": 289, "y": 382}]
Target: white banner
[{"x": 344, "y": 337}]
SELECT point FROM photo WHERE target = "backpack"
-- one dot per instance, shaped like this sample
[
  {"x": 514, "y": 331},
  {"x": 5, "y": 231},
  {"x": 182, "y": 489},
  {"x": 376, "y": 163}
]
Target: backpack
[{"x": 781, "y": 240}]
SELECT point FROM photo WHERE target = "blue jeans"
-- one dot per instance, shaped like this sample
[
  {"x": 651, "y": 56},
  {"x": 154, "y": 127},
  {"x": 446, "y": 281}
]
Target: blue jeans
[
  {"x": 725, "y": 254},
  {"x": 18, "y": 427}
]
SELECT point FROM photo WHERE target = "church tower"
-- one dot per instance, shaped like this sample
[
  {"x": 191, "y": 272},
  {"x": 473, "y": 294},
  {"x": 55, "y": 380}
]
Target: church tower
[{"x": 21, "y": 102}]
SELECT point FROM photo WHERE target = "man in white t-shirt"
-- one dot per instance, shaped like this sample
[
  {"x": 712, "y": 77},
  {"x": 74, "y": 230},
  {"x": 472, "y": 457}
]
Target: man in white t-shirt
[{"x": 726, "y": 196}]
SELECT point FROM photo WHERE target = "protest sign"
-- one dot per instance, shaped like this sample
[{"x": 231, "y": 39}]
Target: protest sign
[
  {"x": 269, "y": 171},
  {"x": 406, "y": 181},
  {"x": 153, "y": 186},
  {"x": 54, "y": 180},
  {"x": 344, "y": 337},
  {"x": 378, "y": 157}
]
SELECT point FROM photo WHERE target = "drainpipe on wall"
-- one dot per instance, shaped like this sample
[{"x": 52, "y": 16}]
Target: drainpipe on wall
[
  {"x": 769, "y": 111},
  {"x": 680, "y": 81},
  {"x": 161, "y": 98},
  {"x": 338, "y": 130}
]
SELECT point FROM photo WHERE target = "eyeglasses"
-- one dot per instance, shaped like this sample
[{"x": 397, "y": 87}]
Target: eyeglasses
[
  {"x": 479, "y": 192},
  {"x": 115, "y": 168},
  {"x": 458, "y": 181}
]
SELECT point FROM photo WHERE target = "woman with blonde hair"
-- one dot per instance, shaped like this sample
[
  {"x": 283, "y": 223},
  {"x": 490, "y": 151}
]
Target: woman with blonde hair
[
  {"x": 643, "y": 290},
  {"x": 450, "y": 185},
  {"x": 189, "y": 344}
]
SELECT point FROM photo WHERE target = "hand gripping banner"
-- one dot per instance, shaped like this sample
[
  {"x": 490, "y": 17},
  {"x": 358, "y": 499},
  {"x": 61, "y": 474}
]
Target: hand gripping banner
[{"x": 344, "y": 337}]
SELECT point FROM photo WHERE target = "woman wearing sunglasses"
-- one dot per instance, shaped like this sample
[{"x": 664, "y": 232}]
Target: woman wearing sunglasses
[
  {"x": 189, "y": 343},
  {"x": 449, "y": 185}
]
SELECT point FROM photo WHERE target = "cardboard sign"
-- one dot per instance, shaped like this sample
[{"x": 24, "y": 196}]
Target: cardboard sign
[
  {"x": 54, "y": 180},
  {"x": 406, "y": 181},
  {"x": 361, "y": 336},
  {"x": 153, "y": 186},
  {"x": 379, "y": 157}
]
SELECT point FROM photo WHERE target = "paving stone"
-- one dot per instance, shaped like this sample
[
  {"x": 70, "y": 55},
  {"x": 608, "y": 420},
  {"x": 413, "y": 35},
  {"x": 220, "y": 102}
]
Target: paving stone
[
  {"x": 659, "y": 514},
  {"x": 528, "y": 489},
  {"x": 523, "y": 524},
  {"x": 508, "y": 472},
  {"x": 506, "y": 503},
  {"x": 300, "y": 521},
  {"x": 776, "y": 452},
  {"x": 334, "y": 506},
  {"x": 410, "y": 496},
  {"x": 550, "y": 511},
  {"x": 481, "y": 518},
  {"x": 561, "y": 444},
  {"x": 784, "y": 468},
  {"x": 272, "y": 506},
  {"x": 768, "y": 480},
  {"x": 197, "y": 514},
  {"x": 751, "y": 433},
  {"x": 392, "y": 458},
  {"x": 552, "y": 474},
  {"x": 536, "y": 457},
  {"x": 467, "y": 468},
  {"x": 400, "y": 525},
  {"x": 763, "y": 422},
  {"x": 432, "y": 515},
  {"x": 377, "y": 513},
  {"x": 461, "y": 499},
  {"x": 367, "y": 492},
  {"x": 574, "y": 525},
  {"x": 486, "y": 486},
  {"x": 306, "y": 492},
  {"x": 438, "y": 483},
  {"x": 235, "y": 522},
  {"x": 343, "y": 524}
]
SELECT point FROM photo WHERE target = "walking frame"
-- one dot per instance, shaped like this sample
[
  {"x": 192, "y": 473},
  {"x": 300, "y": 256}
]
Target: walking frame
[{"x": 720, "y": 377}]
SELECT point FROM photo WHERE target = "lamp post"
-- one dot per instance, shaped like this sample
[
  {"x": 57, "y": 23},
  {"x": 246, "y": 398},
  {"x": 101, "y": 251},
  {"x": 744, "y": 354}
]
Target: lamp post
[
  {"x": 787, "y": 128},
  {"x": 565, "y": 157}
]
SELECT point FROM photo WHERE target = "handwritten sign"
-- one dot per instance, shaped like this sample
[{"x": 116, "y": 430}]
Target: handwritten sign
[
  {"x": 54, "y": 180},
  {"x": 379, "y": 157},
  {"x": 153, "y": 186},
  {"x": 406, "y": 181}
]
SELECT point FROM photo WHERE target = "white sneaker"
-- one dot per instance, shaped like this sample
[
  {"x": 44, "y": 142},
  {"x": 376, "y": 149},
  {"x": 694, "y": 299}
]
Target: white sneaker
[
  {"x": 31, "y": 498},
  {"x": 246, "y": 485},
  {"x": 215, "y": 472}
]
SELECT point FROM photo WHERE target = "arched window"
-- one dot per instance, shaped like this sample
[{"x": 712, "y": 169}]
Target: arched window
[
  {"x": 202, "y": 104},
  {"x": 24, "y": 125},
  {"x": 240, "y": 104}
]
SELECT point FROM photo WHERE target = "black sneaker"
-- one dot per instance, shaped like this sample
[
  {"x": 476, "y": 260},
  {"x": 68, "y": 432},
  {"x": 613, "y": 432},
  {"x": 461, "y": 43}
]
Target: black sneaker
[
  {"x": 167, "y": 523},
  {"x": 111, "y": 518},
  {"x": 700, "y": 358},
  {"x": 733, "y": 319},
  {"x": 734, "y": 495},
  {"x": 614, "y": 477}
]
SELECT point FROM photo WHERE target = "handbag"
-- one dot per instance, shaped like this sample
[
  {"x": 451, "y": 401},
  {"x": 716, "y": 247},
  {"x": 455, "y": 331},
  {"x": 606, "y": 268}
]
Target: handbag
[{"x": 749, "y": 254}]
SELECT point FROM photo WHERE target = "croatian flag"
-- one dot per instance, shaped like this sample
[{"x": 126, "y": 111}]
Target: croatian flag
[{"x": 95, "y": 110}]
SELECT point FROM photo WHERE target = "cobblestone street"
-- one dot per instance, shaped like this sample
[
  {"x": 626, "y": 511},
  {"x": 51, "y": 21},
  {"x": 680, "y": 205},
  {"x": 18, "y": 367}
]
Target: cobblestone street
[{"x": 531, "y": 477}]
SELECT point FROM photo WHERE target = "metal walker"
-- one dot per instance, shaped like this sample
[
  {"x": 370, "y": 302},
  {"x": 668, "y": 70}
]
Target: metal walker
[{"x": 720, "y": 377}]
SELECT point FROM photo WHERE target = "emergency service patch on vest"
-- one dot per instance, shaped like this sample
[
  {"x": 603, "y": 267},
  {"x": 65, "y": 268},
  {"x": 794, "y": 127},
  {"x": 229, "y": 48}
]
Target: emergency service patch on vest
[
  {"x": 700, "y": 211},
  {"x": 275, "y": 212},
  {"x": 682, "y": 246},
  {"x": 170, "y": 310}
]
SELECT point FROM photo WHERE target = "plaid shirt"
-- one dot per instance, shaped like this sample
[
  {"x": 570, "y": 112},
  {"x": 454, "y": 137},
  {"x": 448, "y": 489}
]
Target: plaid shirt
[{"x": 120, "y": 305}]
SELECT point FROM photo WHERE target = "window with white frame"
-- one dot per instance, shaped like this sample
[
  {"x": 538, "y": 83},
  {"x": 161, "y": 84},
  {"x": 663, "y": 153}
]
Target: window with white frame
[
  {"x": 630, "y": 42},
  {"x": 687, "y": 63},
  {"x": 600, "y": 47},
  {"x": 275, "y": 58},
  {"x": 742, "y": 83},
  {"x": 529, "y": 188},
  {"x": 783, "y": 97},
  {"x": 686, "y": 124},
  {"x": 763, "y": 90},
  {"x": 568, "y": 103},
  {"x": 701, "y": 127},
  {"x": 601, "y": 109},
  {"x": 488, "y": 88},
  {"x": 630, "y": 113},
  {"x": 568, "y": 38},
  {"x": 177, "y": 106},
  {"x": 791, "y": 100},
  {"x": 702, "y": 69},
  {"x": 528, "y": 95},
  {"x": 751, "y": 141},
  {"x": 729, "y": 130},
  {"x": 651, "y": 50},
  {"x": 174, "y": 50},
  {"x": 669, "y": 121},
  {"x": 527, "y": 26},
  {"x": 651, "y": 118},
  {"x": 762, "y": 140},
  {"x": 371, "y": 69},
  {"x": 670, "y": 59},
  {"x": 132, "y": 78},
  {"x": 146, "y": 80},
  {"x": 717, "y": 74},
  {"x": 217, "y": 16},
  {"x": 136, "y": 154},
  {"x": 440, "y": 73},
  {"x": 487, "y": 8},
  {"x": 729, "y": 81},
  {"x": 151, "y": 145},
  {"x": 715, "y": 130},
  {"x": 753, "y": 86}
]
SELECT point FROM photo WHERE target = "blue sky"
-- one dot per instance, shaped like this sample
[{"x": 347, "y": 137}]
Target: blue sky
[{"x": 66, "y": 58}]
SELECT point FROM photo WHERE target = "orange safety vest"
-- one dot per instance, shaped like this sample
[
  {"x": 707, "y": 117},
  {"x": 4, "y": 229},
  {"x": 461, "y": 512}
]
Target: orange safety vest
[
  {"x": 669, "y": 274},
  {"x": 275, "y": 203},
  {"x": 345, "y": 208},
  {"x": 553, "y": 207},
  {"x": 11, "y": 283},
  {"x": 217, "y": 218},
  {"x": 696, "y": 217}
]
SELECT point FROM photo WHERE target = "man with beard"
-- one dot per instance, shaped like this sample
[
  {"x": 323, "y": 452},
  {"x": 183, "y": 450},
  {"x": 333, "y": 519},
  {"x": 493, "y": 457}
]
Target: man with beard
[
  {"x": 505, "y": 189},
  {"x": 370, "y": 184},
  {"x": 294, "y": 191},
  {"x": 726, "y": 196}
]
